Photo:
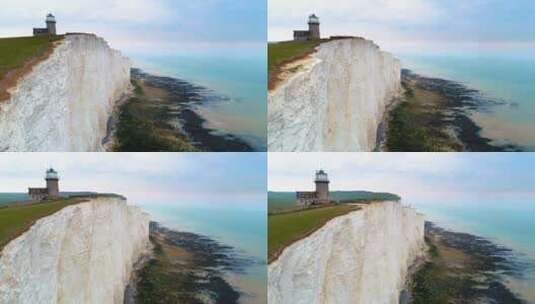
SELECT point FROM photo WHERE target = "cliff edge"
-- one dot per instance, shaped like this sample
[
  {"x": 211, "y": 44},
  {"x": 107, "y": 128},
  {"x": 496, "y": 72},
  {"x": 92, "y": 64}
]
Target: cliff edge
[
  {"x": 65, "y": 102},
  {"x": 334, "y": 99},
  {"x": 361, "y": 257},
  {"x": 83, "y": 253}
]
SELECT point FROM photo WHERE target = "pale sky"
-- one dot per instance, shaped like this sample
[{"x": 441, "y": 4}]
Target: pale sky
[
  {"x": 144, "y": 25},
  {"x": 402, "y": 25},
  {"x": 145, "y": 178},
  {"x": 414, "y": 176}
]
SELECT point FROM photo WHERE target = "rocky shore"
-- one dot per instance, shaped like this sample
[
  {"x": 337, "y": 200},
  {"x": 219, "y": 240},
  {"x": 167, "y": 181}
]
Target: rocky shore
[
  {"x": 434, "y": 115},
  {"x": 463, "y": 268},
  {"x": 162, "y": 117},
  {"x": 187, "y": 268}
]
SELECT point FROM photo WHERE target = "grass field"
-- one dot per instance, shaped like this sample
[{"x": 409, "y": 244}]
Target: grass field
[
  {"x": 280, "y": 53},
  {"x": 15, "y": 52},
  {"x": 286, "y": 228},
  {"x": 15, "y": 220}
]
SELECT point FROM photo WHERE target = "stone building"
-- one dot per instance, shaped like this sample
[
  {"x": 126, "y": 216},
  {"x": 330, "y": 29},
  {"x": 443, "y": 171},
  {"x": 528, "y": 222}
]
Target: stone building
[
  {"x": 50, "y": 27},
  {"x": 313, "y": 30},
  {"x": 320, "y": 196},
  {"x": 52, "y": 187}
]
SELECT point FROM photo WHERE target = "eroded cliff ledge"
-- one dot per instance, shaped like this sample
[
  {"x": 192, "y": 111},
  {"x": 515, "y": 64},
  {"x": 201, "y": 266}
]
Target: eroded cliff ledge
[
  {"x": 361, "y": 257},
  {"x": 83, "y": 253},
  {"x": 65, "y": 102},
  {"x": 334, "y": 99}
]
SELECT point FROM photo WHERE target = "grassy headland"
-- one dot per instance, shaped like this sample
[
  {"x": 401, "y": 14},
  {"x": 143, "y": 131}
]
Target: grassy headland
[
  {"x": 281, "y": 53},
  {"x": 16, "y": 219},
  {"x": 143, "y": 124},
  {"x": 284, "y": 201},
  {"x": 18, "y": 55},
  {"x": 287, "y": 228}
]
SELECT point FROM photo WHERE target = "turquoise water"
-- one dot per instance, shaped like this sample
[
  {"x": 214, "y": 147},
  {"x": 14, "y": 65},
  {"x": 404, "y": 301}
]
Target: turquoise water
[
  {"x": 237, "y": 73},
  {"x": 504, "y": 76},
  {"x": 242, "y": 226},
  {"x": 6, "y": 197},
  {"x": 508, "y": 223}
]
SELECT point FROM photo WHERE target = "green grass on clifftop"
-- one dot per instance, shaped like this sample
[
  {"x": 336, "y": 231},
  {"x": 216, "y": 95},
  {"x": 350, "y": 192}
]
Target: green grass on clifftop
[
  {"x": 281, "y": 201},
  {"x": 287, "y": 228},
  {"x": 283, "y": 52},
  {"x": 15, "y": 220}
]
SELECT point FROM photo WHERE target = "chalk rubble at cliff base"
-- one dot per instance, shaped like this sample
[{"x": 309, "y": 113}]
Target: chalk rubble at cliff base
[
  {"x": 65, "y": 102},
  {"x": 361, "y": 257},
  {"x": 336, "y": 99},
  {"x": 84, "y": 253}
]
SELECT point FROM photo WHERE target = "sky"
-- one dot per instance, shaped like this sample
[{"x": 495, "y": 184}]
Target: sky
[
  {"x": 145, "y": 178},
  {"x": 405, "y": 25},
  {"x": 145, "y": 25},
  {"x": 414, "y": 176}
]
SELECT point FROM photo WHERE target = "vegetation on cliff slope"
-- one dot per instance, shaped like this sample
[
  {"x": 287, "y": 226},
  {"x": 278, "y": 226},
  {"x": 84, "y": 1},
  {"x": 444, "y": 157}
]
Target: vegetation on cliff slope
[
  {"x": 280, "y": 53},
  {"x": 17, "y": 55},
  {"x": 286, "y": 228},
  {"x": 143, "y": 126},
  {"x": 16, "y": 219}
]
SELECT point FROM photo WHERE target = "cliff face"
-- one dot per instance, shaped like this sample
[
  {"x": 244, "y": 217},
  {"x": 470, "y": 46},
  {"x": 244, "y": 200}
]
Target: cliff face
[
  {"x": 65, "y": 102},
  {"x": 81, "y": 254},
  {"x": 362, "y": 257},
  {"x": 335, "y": 101}
]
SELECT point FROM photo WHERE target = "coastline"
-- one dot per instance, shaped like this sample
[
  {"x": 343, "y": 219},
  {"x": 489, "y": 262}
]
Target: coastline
[
  {"x": 434, "y": 115},
  {"x": 191, "y": 268},
  {"x": 462, "y": 267},
  {"x": 161, "y": 116}
]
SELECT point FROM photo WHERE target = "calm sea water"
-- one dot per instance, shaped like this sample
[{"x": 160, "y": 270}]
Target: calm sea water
[
  {"x": 237, "y": 73},
  {"x": 242, "y": 226},
  {"x": 508, "y": 223},
  {"x": 504, "y": 76}
]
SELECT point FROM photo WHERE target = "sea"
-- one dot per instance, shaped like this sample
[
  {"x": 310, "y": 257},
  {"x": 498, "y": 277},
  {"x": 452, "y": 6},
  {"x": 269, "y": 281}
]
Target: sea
[
  {"x": 242, "y": 226},
  {"x": 238, "y": 74},
  {"x": 504, "y": 76},
  {"x": 504, "y": 222}
]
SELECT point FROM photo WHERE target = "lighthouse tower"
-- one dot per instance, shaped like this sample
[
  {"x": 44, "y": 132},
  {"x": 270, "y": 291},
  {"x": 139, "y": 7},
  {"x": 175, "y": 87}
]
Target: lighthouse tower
[
  {"x": 51, "y": 24},
  {"x": 314, "y": 27},
  {"x": 52, "y": 183},
  {"x": 322, "y": 187}
]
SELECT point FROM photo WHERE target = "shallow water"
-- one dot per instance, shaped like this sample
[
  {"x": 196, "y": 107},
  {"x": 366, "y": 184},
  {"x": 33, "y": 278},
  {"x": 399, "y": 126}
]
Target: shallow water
[
  {"x": 242, "y": 226},
  {"x": 240, "y": 74},
  {"x": 507, "y": 223},
  {"x": 499, "y": 75}
]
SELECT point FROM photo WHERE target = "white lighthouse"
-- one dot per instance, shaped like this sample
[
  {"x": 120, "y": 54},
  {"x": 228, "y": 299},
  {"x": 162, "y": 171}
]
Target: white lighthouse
[
  {"x": 314, "y": 26},
  {"x": 322, "y": 187},
  {"x": 51, "y": 24}
]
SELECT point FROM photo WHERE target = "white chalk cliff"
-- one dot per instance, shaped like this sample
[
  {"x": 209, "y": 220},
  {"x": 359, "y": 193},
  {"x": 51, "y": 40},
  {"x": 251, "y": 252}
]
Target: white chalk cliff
[
  {"x": 335, "y": 100},
  {"x": 65, "y": 102},
  {"x": 362, "y": 257},
  {"x": 82, "y": 254}
]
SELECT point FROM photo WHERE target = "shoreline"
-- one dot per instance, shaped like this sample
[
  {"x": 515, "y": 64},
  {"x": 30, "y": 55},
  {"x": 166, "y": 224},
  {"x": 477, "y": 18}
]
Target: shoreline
[
  {"x": 434, "y": 115},
  {"x": 161, "y": 116},
  {"x": 191, "y": 268},
  {"x": 463, "y": 267}
]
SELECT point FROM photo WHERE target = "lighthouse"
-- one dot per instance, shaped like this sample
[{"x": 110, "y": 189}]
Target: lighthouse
[
  {"x": 322, "y": 187},
  {"x": 52, "y": 183},
  {"x": 51, "y": 24},
  {"x": 314, "y": 27}
]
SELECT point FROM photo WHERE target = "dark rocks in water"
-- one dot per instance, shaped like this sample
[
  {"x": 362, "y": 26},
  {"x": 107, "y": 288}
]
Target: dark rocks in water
[
  {"x": 189, "y": 268},
  {"x": 482, "y": 280},
  {"x": 183, "y": 97},
  {"x": 460, "y": 101}
]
